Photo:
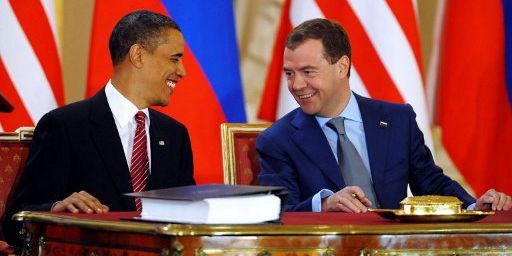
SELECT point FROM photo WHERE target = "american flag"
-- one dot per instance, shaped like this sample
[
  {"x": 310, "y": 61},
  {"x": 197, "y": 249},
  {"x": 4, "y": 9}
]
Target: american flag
[{"x": 30, "y": 69}]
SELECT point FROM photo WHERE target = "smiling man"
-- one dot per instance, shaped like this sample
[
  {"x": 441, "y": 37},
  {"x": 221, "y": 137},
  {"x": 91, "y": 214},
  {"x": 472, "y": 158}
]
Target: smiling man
[
  {"x": 342, "y": 152},
  {"x": 86, "y": 155}
]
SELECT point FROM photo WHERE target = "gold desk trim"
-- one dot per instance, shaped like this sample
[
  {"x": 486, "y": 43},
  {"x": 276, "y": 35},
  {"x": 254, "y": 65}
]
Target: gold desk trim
[
  {"x": 228, "y": 131},
  {"x": 22, "y": 134},
  {"x": 122, "y": 226},
  {"x": 265, "y": 251},
  {"x": 263, "y": 229},
  {"x": 388, "y": 252}
]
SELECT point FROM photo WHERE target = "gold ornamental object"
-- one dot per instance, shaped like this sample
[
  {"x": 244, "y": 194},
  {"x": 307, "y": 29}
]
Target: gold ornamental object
[
  {"x": 431, "y": 209},
  {"x": 421, "y": 205}
]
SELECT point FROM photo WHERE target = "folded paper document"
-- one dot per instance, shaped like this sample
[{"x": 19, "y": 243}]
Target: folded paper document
[{"x": 213, "y": 204}]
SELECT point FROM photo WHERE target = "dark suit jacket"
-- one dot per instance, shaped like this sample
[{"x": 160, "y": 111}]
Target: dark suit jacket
[
  {"x": 295, "y": 154},
  {"x": 77, "y": 147}
]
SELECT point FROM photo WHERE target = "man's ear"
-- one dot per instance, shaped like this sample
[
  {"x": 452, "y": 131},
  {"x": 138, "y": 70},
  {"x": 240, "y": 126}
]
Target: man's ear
[
  {"x": 135, "y": 55},
  {"x": 343, "y": 65}
]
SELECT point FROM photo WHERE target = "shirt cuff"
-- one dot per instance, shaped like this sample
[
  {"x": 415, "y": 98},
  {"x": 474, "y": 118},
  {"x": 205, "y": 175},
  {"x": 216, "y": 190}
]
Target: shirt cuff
[
  {"x": 471, "y": 206},
  {"x": 316, "y": 201}
]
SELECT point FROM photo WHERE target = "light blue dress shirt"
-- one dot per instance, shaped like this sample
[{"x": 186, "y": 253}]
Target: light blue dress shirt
[{"x": 354, "y": 130}]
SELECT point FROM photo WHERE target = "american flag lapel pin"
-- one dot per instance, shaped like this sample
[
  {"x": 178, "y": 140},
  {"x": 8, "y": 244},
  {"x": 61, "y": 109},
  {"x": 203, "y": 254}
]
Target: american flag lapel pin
[
  {"x": 383, "y": 124},
  {"x": 161, "y": 142}
]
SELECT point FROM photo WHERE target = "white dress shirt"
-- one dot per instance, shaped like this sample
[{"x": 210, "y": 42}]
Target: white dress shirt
[{"x": 124, "y": 115}]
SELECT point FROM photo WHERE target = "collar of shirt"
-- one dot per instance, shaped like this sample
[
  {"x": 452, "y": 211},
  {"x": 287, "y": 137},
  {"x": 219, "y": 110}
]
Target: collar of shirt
[
  {"x": 354, "y": 129},
  {"x": 351, "y": 112},
  {"x": 122, "y": 108},
  {"x": 124, "y": 112}
]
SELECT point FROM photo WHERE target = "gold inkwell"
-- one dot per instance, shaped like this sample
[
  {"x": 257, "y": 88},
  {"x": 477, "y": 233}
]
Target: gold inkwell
[
  {"x": 431, "y": 209},
  {"x": 424, "y": 205}
]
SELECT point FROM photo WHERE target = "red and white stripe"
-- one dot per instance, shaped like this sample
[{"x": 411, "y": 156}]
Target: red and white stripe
[
  {"x": 386, "y": 59},
  {"x": 30, "y": 68},
  {"x": 139, "y": 168}
]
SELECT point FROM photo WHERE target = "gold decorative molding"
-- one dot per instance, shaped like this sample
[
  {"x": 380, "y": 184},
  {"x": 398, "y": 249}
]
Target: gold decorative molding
[
  {"x": 228, "y": 133},
  {"x": 178, "y": 248},
  {"x": 165, "y": 252},
  {"x": 21, "y": 134},
  {"x": 125, "y": 226},
  {"x": 264, "y": 229},
  {"x": 265, "y": 251},
  {"x": 389, "y": 252},
  {"x": 42, "y": 244},
  {"x": 84, "y": 246}
]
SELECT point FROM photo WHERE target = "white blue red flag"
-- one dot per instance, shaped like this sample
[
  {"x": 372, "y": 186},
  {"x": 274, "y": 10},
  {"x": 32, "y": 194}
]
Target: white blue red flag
[
  {"x": 210, "y": 94},
  {"x": 474, "y": 91}
]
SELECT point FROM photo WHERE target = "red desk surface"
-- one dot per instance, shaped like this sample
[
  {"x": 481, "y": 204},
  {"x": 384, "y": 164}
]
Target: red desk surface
[{"x": 309, "y": 218}]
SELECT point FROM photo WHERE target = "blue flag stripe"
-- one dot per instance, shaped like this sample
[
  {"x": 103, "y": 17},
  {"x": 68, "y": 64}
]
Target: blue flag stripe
[
  {"x": 507, "y": 15},
  {"x": 209, "y": 30}
]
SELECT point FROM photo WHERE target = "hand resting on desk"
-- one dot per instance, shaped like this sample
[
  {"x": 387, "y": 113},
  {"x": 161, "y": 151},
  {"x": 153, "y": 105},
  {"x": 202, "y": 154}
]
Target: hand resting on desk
[
  {"x": 494, "y": 200},
  {"x": 352, "y": 199},
  {"x": 80, "y": 202},
  {"x": 349, "y": 199}
]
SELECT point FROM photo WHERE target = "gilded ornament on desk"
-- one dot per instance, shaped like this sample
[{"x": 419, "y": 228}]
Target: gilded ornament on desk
[
  {"x": 421, "y": 205},
  {"x": 431, "y": 209}
]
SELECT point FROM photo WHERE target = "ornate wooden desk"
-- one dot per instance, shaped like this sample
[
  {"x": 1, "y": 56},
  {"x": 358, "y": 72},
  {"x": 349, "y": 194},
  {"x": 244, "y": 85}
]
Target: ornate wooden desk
[{"x": 299, "y": 234}]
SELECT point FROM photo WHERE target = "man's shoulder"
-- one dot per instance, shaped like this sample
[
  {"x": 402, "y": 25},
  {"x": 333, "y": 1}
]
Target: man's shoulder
[
  {"x": 76, "y": 115},
  {"x": 387, "y": 106},
  {"x": 73, "y": 110},
  {"x": 71, "y": 117},
  {"x": 283, "y": 125}
]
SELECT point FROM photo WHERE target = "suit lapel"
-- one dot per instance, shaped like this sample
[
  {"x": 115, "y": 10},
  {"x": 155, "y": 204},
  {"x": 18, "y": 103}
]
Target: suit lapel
[
  {"x": 109, "y": 146},
  {"x": 159, "y": 144},
  {"x": 310, "y": 139},
  {"x": 377, "y": 138}
]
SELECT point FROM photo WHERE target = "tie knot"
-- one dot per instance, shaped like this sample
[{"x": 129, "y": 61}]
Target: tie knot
[
  {"x": 337, "y": 124},
  {"x": 140, "y": 117}
]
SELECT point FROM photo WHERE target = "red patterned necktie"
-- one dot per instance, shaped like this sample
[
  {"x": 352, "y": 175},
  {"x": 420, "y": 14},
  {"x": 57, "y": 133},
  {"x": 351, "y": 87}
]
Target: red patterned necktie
[{"x": 139, "y": 168}]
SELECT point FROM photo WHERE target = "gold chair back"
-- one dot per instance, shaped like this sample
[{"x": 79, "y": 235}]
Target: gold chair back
[
  {"x": 14, "y": 147},
  {"x": 239, "y": 157}
]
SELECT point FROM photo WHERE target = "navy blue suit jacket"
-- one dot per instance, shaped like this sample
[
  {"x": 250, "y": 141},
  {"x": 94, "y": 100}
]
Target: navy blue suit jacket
[{"x": 294, "y": 153}]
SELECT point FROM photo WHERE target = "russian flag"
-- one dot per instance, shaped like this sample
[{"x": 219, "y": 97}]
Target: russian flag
[
  {"x": 474, "y": 91},
  {"x": 210, "y": 94}
]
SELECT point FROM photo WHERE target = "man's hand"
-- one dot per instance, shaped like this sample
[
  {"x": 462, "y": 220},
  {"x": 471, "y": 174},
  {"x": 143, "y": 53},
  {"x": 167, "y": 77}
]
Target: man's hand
[
  {"x": 493, "y": 200},
  {"x": 80, "y": 202},
  {"x": 349, "y": 199}
]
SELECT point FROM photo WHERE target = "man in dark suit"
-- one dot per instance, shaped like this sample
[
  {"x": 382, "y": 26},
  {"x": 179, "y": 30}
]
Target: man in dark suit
[
  {"x": 343, "y": 152},
  {"x": 83, "y": 156}
]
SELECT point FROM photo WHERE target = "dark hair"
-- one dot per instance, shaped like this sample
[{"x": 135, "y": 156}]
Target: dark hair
[
  {"x": 139, "y": 27},
  {"x": 332, "y": 35}
]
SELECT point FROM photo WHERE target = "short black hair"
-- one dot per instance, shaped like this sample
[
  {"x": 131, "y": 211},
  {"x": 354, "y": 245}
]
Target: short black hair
[
  {"x": 332, "y": 35},
  {"x": 139, "y": 27}
]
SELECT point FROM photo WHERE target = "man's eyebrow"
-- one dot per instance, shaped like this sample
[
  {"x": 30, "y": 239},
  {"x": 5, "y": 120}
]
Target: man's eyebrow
[
  {"x": 307, "y": 67},
  {"x": 177, "y": 55},
  {"x": 301, "y": 68}
]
